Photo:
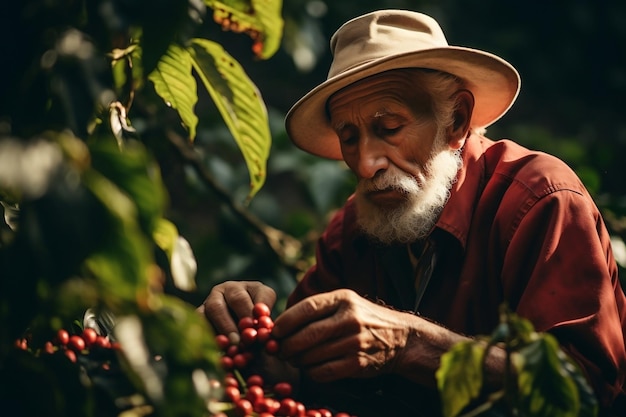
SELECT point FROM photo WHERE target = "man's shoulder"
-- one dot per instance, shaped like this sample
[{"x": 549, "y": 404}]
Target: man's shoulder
[{"x": 509, "y": 162}]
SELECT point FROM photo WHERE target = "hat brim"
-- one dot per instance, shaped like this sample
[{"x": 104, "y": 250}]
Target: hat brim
[{"x": 494, "y": 83}]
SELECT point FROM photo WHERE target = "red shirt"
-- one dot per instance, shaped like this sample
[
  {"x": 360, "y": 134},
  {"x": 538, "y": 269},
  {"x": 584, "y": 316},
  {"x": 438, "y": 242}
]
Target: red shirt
[{"x": 519, "y": 228}]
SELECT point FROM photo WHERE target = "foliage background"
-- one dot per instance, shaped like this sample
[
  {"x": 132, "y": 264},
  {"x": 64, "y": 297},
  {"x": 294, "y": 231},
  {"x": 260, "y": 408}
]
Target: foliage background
[{"x": 571, "y": 57}]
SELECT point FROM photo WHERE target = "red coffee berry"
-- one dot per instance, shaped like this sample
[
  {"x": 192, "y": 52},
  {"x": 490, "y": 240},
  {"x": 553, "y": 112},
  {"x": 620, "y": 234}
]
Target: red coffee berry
[
  {"x": 76, "y": 343},
  {"x": 260, "y": 310},
  {"x": 268, "y": 405},
  {"x": 342, "y": 414},
  {"x": 288, "y": 407},
  {"x": 230, "y": 381},
  {"x": 48, "y": 347},
  {"x": 248, "y": 335},
  {"x": 226, "y": 362},
  {"x": 271, "y": 346},
  {"x": 102, "y": 342},
  {"x": 255, "y": 394},
  {"x": 240, "y": 361},
  {"x": 254, "y": 380},
  {"x": 232, "y": 394},
  {"x": 70, "y": 354},
  {"x": 89, "y": 336},
  {"x": 325, "y": 413},
  {"x": 232, "y": 350},
  {"x": 21, "y": 344},
  {"x": 222, "y": 342},
  {"x": 63, "y": 337},
  {"x": 243, "y": 408},
  {"x": 263, "y": 335},
  {"x": 265, "y": 322},
  {"x": 283, "y": 389},
  {"x": 313, "y": 413},
  {"x": 245, "y": 322}
]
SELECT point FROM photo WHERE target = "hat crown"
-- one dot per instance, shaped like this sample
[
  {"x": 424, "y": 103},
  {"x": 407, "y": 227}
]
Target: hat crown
[{"x": 380, "y": 34}]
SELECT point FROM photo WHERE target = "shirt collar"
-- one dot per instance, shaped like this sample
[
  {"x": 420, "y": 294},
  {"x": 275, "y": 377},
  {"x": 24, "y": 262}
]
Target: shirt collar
[{"x": 456, "y": 215}]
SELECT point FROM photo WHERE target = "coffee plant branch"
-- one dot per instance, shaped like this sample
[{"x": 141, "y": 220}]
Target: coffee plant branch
[{"x": 287, "y": 249}]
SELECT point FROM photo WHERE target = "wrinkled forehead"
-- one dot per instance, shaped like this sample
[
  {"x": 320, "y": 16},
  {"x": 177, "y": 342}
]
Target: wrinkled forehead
[{"x": 402, "y": 86}]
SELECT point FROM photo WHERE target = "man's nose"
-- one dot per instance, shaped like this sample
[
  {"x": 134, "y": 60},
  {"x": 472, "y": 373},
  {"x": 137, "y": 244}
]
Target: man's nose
[{"x": 371, "y": 158}]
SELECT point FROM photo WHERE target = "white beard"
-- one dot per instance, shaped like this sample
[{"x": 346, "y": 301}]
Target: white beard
[{"x": 425, "y": 197}]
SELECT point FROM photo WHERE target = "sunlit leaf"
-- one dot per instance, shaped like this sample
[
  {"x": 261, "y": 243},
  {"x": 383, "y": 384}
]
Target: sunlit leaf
[
  {"x": 460, "y": 376},
  {"x": 239, "y": 103},
  {"x": 183, "y": 263},
  {"x": 174, "y": 82},
  {"x": 545, "y": 388}
]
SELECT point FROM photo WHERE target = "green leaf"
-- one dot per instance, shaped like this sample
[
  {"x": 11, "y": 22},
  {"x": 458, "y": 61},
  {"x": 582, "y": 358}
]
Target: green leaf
[
  {"x": 239, "y": 103},
  {"x": 260, "y": 18},
  {"x": 545, "y": 388},
  {"x": 135, "y": 173},
  {"x": 182, "y": 262},
  {"x": 460, "y": 376},
  {"x": 174, "y": 82},
  {"x": 121, "y": 263}
]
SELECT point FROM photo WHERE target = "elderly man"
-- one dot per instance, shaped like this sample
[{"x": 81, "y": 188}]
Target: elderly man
[{"x": 444, "y": 227}]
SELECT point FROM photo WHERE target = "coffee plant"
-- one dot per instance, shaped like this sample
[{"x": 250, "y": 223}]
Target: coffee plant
[{"x": 84, "y": 203}]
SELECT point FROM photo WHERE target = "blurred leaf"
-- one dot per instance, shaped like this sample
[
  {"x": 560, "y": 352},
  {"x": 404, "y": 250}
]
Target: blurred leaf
[
  {"x": 136, "y": 174},
  {"x": 182, "y": 261},
  {"x": 460, "y": 376},
  {"x": 121, "y": 264},
  {"x": 239, "y": 103},
  {"x": 169, "y": 380},
  {"x": 545, "y": 389},
  {"x": 176, "y": 85}
]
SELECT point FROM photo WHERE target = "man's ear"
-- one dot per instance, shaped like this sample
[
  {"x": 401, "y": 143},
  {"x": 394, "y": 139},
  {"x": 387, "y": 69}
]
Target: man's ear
[{"x": 458, "y": 131}]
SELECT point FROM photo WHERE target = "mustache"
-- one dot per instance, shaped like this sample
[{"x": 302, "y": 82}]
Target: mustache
[{"x": 389, "y": 179}]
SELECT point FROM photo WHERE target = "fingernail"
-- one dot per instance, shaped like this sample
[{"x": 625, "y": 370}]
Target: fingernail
[{"x": 234, "y": 338}]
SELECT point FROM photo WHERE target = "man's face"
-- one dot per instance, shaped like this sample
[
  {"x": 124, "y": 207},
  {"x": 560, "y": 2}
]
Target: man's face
[{"x": 390, "y": 140}]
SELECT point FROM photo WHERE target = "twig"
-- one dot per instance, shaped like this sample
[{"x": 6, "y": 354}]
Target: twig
[{"x": 286, "y": 248}]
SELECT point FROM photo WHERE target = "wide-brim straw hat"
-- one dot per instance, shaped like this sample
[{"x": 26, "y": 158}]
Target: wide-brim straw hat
[{"x": 393, "y": 39}]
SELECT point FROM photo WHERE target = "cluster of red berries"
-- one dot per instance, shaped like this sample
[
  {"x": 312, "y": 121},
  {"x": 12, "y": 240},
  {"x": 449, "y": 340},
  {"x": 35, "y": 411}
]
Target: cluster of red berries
[
  {"x": 252, "y": 396},
  {"x": 71, "y": 345},
  {"x": 254, "y": 333}
]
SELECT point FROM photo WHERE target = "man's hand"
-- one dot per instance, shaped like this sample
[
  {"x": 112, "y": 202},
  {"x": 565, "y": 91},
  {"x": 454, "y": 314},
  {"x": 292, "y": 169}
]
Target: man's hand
[
  {"x": 230, "y": 301},
  {"x": 340, "y": 334}
]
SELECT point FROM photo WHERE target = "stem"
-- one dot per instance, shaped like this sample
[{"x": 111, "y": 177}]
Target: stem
[{"x": 285, "y": 247}]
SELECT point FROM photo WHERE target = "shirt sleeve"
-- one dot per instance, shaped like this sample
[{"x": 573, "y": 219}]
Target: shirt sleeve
[{"x": 561, "y": 255}]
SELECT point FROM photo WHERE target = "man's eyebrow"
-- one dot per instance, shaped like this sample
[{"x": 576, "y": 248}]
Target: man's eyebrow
[{"x": 338, "y": 126}]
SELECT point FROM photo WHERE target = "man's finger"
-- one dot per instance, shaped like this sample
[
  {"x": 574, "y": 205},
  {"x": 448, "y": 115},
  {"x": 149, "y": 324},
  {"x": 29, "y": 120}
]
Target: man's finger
[{"x": 310, "y": 309}]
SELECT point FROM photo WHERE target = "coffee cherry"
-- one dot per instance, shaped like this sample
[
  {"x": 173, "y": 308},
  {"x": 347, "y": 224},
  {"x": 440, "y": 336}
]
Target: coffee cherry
[
  {"x": 254, "y": 380},
  {"x": 76, "y": 343},
  {"x": 283, "y": 389},
  {"x": 245, "y": 322},
  {"x": 232, "y": 393},
  {"x": 248, "y": 336},
  {"x": 70, "y": 354},
  {"x": 89, "y": 336},
  {"x": 288, "y": 407},
  {"x": 240, "y": 361},
  {"x": 260, "y": 310},
  {"x": 63, "y": 337},
  {"x": 271, "y": 347},
  {"x": 222, "y": 341},
  {"x": 243, "y": 408}
]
